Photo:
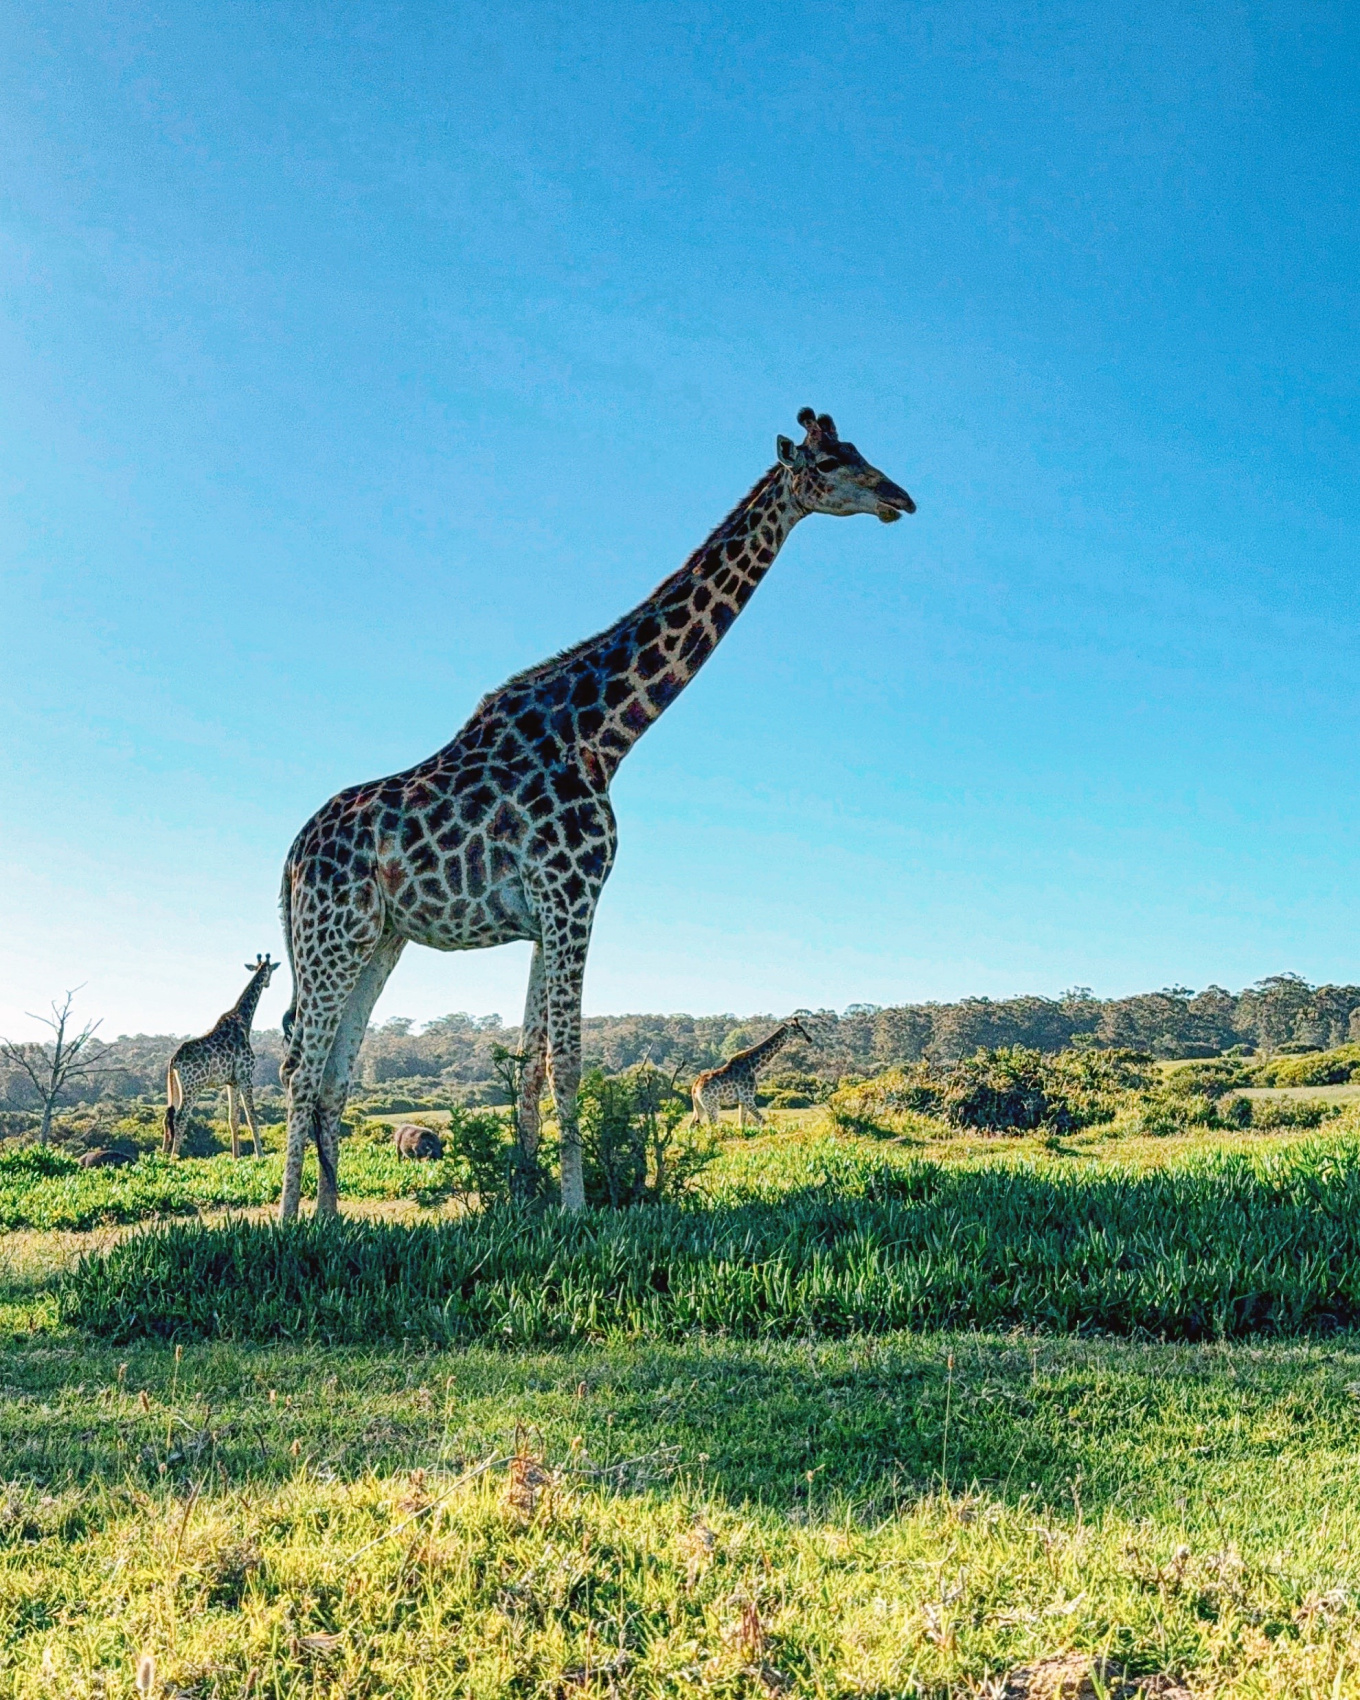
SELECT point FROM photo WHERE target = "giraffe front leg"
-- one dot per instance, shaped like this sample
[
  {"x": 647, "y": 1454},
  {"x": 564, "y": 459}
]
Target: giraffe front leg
[
  {"x": 234, "y": 1121},
  {"x": 564, "y": 972},
  {"x": 534, "y": 1049}
]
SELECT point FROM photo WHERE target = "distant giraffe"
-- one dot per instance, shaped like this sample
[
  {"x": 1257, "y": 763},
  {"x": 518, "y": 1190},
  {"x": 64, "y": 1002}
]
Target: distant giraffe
[
  {"x": 734, "y": 1084},
  {"x": 507, "y": 832},
  {"x": 222, "y": 1057}
]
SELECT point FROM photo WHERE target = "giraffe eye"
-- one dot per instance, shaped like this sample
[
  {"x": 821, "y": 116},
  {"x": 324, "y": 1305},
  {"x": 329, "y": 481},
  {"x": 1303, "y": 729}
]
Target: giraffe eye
[{"x": 827, "y": 465}]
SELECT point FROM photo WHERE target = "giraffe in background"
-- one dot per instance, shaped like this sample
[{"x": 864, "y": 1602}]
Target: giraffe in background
[
  {"x": 507, "y": 832},
  {"x": 734, "y": 1084},
  {"x": 222, "y": 1057}
]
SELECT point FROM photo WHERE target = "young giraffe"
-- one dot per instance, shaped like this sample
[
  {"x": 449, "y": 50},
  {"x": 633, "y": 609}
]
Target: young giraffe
[
  {"x": 222, "y": 1057},
  {"x": 507, "y": 833},
  {"x": 735, "y": 1082}
]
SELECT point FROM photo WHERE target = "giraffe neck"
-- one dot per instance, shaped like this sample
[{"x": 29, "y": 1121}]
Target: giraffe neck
[
  {"x": 767, "y": 1046},
  {"x": 606, "y": 692},
  {"x": 244, "y": 1007}
]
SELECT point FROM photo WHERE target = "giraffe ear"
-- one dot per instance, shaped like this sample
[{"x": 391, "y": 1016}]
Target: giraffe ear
[{"x": 787, "y": 452}]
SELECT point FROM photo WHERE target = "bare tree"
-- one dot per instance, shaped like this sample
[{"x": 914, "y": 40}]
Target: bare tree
[{"x": 54, "y": 1065}]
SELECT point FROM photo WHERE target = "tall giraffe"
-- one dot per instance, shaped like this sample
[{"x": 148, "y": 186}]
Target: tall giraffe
[
  {"x": 734, "y": 1084},
  {"x": 222, "y": 1057},
  {"x": 507, "y": 833}
]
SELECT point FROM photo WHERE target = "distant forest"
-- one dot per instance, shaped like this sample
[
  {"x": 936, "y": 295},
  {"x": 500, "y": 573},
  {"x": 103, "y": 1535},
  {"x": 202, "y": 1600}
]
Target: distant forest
[{"x": 453, "y": 1055}]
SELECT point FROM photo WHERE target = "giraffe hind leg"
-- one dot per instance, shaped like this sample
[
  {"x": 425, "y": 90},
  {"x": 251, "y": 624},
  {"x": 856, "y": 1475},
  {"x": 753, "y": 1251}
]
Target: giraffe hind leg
[
  {"x": 247, "y": 1092},
  {"x": 233, "y": 1120},
  {"x": 349, "y": 1036}
]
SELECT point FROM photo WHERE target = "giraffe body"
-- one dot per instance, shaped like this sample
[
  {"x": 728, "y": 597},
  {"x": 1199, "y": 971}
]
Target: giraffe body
[
  {"x": 221, "y": 1057},
  {"x": 507, "y": 832},
  {"x": 733, "y": 1086}
]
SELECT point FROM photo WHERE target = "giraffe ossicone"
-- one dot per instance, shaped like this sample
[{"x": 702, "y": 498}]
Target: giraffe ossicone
[
  {"x": 507, "y": 832},
  {"x": 221, "y": 1057}
]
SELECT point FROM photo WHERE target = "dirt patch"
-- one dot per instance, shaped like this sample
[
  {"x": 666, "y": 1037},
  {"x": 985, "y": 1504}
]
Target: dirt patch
[{"x": 1079, "y": 1676}]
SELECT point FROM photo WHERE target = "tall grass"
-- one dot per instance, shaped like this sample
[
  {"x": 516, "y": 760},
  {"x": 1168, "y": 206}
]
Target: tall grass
[
  {"x": 1227, "y": 1245},
  {"x": 42, "y": 1188}
]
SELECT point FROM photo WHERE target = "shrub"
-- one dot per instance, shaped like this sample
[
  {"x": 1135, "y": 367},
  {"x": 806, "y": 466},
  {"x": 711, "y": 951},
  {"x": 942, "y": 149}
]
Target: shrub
[
  {"x": 1318, "y": 1068},
  {"x": 1094, "y": 1084},
  {"x": 481, "y": 1144},
  {"x": 630, "y": 1136},
  {"x": 1292, "y": 1112},
  {"x": 794, "y": 1091},
  {"x": 1007, "y": 1090},
  {"x": 872, "y": 1105}
]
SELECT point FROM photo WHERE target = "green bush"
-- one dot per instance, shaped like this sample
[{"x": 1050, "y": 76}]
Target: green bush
[
  {"x": 794, "y": 1091},
  {"x": 871, "y": 1105},
  {"x": 1317, "y": 1068},
  {"x": 1228, "y": 1245},
  {"x": 1007, "y": 1090},
  {"x": 632, "y": 1147},
  {"x": 1292, "y": 1112}
]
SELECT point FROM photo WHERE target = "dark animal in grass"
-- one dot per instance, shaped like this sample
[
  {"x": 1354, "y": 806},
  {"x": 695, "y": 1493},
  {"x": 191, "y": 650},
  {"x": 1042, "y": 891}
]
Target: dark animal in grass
[
  {"x": 105, "y": 1159},
  {"x": 418, "y": 1143}
]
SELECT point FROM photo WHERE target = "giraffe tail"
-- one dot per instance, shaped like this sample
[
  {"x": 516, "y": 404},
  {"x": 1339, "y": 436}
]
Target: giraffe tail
[
  {"x": 286, "y": 916},
  {"x": 174, "y": 1099}
]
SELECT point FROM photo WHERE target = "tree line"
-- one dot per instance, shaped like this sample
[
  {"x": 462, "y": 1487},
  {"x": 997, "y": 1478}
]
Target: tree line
[{"x": 456, "y": 1053}]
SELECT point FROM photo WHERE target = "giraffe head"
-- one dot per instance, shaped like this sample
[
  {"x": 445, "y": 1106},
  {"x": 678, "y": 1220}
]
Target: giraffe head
[
  {"x": 794, "y": 1025},
  {"x": 828, "y": 476},
  {"x": 262, "y": 965}
]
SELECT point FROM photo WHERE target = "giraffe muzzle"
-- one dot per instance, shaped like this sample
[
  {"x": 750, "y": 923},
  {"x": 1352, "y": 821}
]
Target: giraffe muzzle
[{"x": 893, "y": 501}]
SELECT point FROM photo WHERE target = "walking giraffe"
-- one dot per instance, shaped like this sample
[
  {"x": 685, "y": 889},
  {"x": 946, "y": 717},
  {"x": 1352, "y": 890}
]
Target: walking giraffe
[
  {"x": 734, "y": 1084},
  {"x": 507, "y": 833},
  {"x": 222, "y": 1057}
]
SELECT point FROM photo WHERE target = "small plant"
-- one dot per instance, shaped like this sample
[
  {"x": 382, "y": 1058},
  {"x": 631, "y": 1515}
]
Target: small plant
[{"x": 630, "y": 1138}]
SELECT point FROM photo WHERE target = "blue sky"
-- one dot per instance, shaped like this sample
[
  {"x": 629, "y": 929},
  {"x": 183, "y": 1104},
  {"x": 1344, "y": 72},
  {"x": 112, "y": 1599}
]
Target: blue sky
[{"x": 353, "y": 357}]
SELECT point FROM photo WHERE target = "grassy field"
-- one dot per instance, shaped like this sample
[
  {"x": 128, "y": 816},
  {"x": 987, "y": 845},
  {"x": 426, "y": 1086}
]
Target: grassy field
[{"x": 888, "y": 1513}]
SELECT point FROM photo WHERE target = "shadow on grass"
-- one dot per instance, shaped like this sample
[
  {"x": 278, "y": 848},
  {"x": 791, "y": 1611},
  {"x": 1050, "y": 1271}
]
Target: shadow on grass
[{"x": 813, "y": 1430}]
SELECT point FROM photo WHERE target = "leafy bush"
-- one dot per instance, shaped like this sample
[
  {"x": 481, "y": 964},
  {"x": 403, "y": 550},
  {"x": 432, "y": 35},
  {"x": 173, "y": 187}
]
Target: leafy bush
[
  {"x": 1007, "y": 1090},
  {"x": 870, "y": 1105},
  {"x": 794, "y": 1091},
  {"x": 481, "y": 1143},
  {"x": 1318, "y": 1068},
  {"x": 1093, "y": 1085},
  {"x": 1211, "y": 1079},
  {"x": 1292, "y": 1112},
  {"x": 630, "y": 1136},
  {"x": 1226, "y": 1246}
]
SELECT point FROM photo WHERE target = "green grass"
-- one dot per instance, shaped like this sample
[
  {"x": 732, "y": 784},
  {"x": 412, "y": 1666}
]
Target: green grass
[
  {"x": 909, "y": 1516},
  {"x": 786, "y": 1512},
  {"x": 1225, "y": 1245},
  {"x": 48, "y": 1189}
]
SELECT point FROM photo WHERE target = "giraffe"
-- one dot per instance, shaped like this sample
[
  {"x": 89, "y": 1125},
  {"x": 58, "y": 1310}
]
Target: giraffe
[
  {"x": 222, "y": 1057},
  {"x": 735, "y": 1082},
  {"x": 507, "y": 832}
]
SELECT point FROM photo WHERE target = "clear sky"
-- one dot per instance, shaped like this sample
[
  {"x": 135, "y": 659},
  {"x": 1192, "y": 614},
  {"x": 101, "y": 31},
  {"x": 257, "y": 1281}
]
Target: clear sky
[{"x": 352, "y": 357}]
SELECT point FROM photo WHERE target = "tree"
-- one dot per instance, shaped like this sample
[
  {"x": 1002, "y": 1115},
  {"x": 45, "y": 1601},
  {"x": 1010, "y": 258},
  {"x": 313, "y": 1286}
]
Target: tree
[{"x": 53, "y": 1066}]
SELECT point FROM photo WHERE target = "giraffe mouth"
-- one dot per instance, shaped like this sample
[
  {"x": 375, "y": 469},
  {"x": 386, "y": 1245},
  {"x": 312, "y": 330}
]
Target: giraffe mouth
[{"x": 893, "y": 501}]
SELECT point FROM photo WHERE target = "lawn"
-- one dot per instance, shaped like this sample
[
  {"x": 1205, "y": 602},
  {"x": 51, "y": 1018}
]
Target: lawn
[{"x": 888, "y": 1513}]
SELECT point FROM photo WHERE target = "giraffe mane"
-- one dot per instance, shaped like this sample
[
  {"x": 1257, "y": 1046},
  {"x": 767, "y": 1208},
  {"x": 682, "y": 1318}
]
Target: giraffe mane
[{"x": 544, "y": 669}]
